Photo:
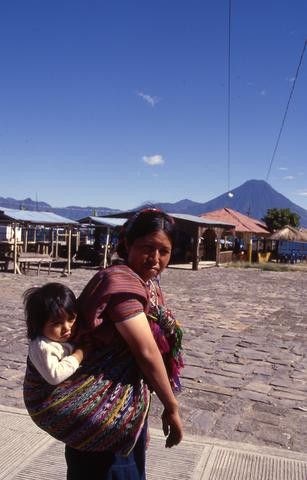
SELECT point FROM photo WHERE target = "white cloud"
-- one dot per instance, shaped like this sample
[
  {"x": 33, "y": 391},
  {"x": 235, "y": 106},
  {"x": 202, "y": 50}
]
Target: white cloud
[
  {"x": 153, "y": 160},
  {"x": 302, "y": 193},
  {"x": 282, "y": 168},
  {"x": 263, "y": 92},
  {"x": 152, "y": 101},
  {"x": 288, "y": 177}
]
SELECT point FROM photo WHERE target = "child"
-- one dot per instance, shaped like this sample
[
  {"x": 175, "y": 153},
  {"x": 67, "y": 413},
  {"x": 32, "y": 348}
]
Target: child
[{"x": 50, "y": 316}]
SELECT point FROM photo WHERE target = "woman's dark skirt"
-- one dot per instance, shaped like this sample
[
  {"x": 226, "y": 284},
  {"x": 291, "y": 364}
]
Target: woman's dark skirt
[{"x": 107, "y": 466}]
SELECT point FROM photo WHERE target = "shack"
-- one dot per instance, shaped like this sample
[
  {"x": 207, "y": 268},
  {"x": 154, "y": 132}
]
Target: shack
[
  {"x": 248, "y": 232},
  {"x": 289, "y": 244},
  {"x": 49, "y": 225}
]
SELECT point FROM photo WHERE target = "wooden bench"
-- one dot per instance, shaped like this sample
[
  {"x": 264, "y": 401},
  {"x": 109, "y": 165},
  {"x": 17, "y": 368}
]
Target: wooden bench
[{"x": 37, "y": 259}]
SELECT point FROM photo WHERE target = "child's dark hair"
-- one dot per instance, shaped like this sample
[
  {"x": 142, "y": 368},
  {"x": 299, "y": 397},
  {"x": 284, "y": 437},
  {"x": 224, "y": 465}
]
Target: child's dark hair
[
  {"x": 41, "y": 303},
  {"x": 145, "y": 222}
]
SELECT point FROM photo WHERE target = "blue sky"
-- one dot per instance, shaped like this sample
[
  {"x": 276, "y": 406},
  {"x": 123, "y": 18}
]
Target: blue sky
[{"x": 115, "y": 103}]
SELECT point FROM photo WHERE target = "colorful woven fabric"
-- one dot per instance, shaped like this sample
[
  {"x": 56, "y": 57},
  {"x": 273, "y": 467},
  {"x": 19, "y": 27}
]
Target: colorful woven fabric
[
  {"x": 115, "y": 281},
  {"x": 102, "y": 407},
  {"x": 167, "y": 333}
]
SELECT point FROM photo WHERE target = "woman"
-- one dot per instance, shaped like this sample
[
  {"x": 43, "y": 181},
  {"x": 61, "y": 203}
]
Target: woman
[{"x": 123, "y": 306}]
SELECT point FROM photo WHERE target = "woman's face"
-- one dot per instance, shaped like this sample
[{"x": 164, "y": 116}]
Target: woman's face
[{"x": 149, "y": 255}]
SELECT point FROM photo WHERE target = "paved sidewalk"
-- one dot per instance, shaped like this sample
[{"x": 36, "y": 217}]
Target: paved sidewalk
[{"x": 30, "y": 454}]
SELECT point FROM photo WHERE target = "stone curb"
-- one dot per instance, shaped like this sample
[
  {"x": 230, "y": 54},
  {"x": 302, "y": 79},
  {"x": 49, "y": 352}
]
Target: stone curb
[{"x": 29, "y": 453}]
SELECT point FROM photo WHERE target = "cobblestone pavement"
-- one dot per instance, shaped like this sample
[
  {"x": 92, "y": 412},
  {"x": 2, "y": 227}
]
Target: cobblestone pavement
[{"x": 245, "y": 350}]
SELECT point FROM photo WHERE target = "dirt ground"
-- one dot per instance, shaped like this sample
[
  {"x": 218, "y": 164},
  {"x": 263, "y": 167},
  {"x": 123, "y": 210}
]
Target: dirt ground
[{"x": 245, "y": 342}]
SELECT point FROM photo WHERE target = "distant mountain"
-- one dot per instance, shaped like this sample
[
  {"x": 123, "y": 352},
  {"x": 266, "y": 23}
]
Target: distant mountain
[
  {"x": 26, "y": 204},
  {"x": 72, "y": 212},
  {"x": 75, "y": 213},
  {"x": 252, "y": 198}
]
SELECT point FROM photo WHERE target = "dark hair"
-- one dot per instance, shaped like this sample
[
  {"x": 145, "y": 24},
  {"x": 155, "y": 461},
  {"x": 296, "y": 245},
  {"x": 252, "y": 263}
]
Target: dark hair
[
  {"x": 145, "y": 222},
  {"x": 41, "y": 303}
]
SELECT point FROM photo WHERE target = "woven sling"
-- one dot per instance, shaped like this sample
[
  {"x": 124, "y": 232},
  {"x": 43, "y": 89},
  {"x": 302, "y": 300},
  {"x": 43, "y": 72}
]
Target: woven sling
[{"x": 102, "y": 407}]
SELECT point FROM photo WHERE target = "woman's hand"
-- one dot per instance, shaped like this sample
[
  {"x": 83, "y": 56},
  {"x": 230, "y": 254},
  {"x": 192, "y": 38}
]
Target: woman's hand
[{"x": 172, "y": 427}]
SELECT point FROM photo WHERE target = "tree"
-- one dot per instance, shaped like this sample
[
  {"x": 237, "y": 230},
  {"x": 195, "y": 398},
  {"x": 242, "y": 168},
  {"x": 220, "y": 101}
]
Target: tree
[{"x": 277, "y": 218}]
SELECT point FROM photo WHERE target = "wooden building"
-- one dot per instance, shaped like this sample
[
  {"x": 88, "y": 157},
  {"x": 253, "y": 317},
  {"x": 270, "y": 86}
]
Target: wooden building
[
  {"x": 29, "y": 249},
  {"x": 191, "y": 230},
  {"x": 246, "y": 229}
]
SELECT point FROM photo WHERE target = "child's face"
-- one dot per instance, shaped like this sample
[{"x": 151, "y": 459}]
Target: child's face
[{"x": 59, "y": 329}]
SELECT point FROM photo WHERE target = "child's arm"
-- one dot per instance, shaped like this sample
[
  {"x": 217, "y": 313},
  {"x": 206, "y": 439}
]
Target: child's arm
[
  {"x": 78, "y": 353},
  {"x": 49, "y": 361}
]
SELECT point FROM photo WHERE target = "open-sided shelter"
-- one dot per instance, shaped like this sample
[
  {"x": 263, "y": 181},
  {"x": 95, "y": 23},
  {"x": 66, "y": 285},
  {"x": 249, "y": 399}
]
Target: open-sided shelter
[
  {"x": 197, "y": 227},
  {"x": 192, "y": 227},
  {"x": 104, "y": 225},
  {"x": 246, "y": 228},
  {"x": 26, "y": 220}
]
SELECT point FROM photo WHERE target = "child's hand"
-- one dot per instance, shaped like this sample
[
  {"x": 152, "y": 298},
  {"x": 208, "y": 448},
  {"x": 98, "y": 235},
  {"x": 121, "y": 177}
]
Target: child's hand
[{"x": 78, "y": 354}]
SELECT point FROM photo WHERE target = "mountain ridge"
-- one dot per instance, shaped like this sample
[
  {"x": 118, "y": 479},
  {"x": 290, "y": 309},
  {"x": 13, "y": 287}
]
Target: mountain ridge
[
  {"x": 73, "y": 212},
  {"x": 252, "y": 198}
]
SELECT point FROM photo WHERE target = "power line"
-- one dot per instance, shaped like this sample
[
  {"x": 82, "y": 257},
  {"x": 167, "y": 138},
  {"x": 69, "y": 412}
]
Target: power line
[
  {"x": 286, "y": 111},
  {"x": 228, "y": 95}
]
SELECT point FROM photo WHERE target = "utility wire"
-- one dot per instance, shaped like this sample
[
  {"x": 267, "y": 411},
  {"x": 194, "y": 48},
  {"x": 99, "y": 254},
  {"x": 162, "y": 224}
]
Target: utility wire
[
  {"x": 286, "y": 111},
  {"x": 228, "y": 96}
]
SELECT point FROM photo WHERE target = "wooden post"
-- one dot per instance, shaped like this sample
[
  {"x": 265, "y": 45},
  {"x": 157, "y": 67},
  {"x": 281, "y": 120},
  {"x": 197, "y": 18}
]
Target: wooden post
[
  {"x": 77, "y": 240},
  {"x": 69, "y": 251},
  {"x": 26, "y": 238},
  {"x": 56, "y": 242},
  {"x": 52, "y": 253},
  {"x": 15, "y": 248},
  {"x": 105, "y": 257},
  {"x": 217, "y": 247},
  {"x": 250, "y": 249},
  {"x": 16, "y": 266},
  {"x": 195, "y": 259}
]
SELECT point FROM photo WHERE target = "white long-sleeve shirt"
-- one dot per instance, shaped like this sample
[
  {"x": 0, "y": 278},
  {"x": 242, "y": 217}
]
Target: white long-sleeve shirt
[{"x": 53, "y": 360}]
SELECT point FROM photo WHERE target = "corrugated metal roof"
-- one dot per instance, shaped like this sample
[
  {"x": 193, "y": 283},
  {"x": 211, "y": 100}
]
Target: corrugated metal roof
[
  {"x": 243, "y": 223},
  {"x": 37, "y": 218},
  {"x": 201, "y": 220},
  {"x": 108, "y": 222},
  {"x": 181, "y": 216}
]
